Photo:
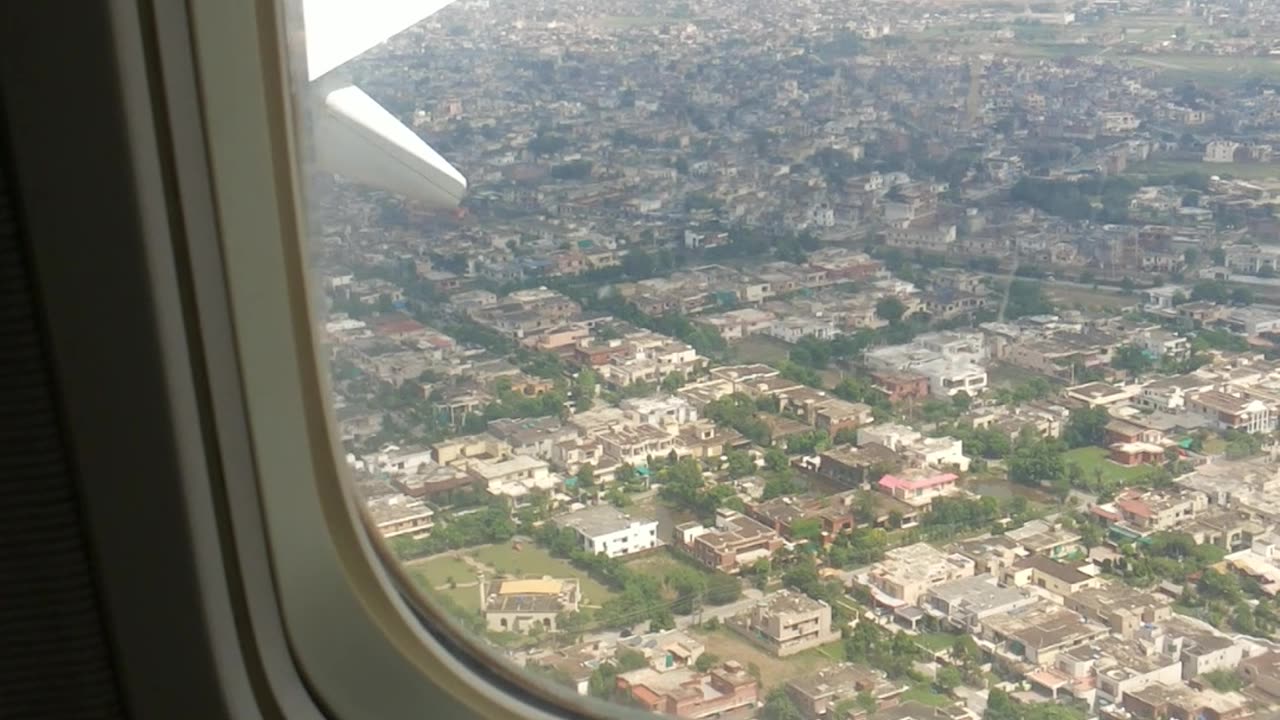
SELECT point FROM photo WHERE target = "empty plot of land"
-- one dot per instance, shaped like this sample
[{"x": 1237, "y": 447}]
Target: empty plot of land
[
  {"x": 1244, "y": 171},
  {"x": 773, "y": 671},
  {"x": 1100, "y": 298}
]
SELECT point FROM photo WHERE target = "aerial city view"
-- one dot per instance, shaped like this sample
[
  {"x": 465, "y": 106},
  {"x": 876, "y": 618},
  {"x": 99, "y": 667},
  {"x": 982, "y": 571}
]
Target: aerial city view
[{"x": 886, "y": 360}]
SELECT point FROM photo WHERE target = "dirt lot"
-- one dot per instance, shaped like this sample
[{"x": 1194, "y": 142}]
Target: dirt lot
[{"x": 773, "y": 671}]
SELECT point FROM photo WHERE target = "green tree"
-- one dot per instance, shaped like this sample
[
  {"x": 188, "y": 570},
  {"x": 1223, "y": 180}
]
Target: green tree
[
  {"x": 776, "y": 460},
  {"x": 1086, "y": 427},
  {"x": 586, "y": 476},
  {"x": 584, "y": 390},
  {"x": 890, "y": 309},
  {"x": 1133, "y": 359},
  {"x": 1037, "y": 463},
  {"x": 740, "y": 463},
  {"x": 947, "y": 679},
  {"x": 723, "y": 588},
  {"x": 809, "y": 529},
  {"x": 780, "y": 707},
  {"x": 706, "y": 661}
]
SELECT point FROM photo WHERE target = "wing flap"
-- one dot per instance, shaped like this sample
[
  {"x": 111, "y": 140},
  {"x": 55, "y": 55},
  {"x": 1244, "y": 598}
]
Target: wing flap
[{"x": 358, "y": 139}]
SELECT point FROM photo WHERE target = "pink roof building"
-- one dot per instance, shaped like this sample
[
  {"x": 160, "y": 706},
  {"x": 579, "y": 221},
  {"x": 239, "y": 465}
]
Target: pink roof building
[{"x": 918, "y": 491}]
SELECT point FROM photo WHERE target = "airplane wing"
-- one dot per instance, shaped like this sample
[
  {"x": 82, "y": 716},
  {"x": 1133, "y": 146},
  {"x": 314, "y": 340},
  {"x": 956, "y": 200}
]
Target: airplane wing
[
  {"x": 339, "y": 30},
  {"x": 355, "y": 136}
]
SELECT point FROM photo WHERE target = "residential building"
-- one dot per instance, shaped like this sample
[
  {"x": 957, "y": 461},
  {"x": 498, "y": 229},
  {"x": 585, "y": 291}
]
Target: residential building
[
  {"x": 1100, "y": 394},
  {"x": 1123, "y": 609},
  {"x": 457, "y": 451},
  {"x": 535, "y": 437},
  {"x": 687, "y": 693},
  {"x": 635, "y": 444},
  {"x": 918, "y": 491},
  {"x": 665, "y": 412},
  {"x": 1223, "y": 411},
  {"x": 520, "y": 605},
  {"x": 816, "y": 695},
  {"x": 1263, "y": 672},
  {"x": 1057, "y": 578},
  {"x": 1179, "y": 702},
  {"x": 1036, "y": 634},
  {"x": 1221, "y": 151},
  {"x": 1108, "y": 668},
  {"x": 901, "y": 387},
  {"x": 787, "y": 622},
  {"x": 965, "y": 602},
  {"x": 1155, "y": 510},
  {"x": 399, "y": 515},
  {"x": 906, "y": 573},
  {"x": 605, "y": 530},
  {"x": 734, "y": 542},
  {"x": 992, "y": 554},
  {"x": 515, "y": 479},
  {"x": 1041, "y": 537}
]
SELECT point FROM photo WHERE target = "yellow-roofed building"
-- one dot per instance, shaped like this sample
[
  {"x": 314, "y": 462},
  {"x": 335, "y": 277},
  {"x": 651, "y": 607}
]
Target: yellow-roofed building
[{"x": 519, "y": 605}]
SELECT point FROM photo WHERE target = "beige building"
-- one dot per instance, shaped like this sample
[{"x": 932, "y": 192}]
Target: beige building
[
  {"x": 817, "y": 694},
  {"x": 906, "y": 573},
  {"x": 787, "y": 622},
  {"x": 522, "y": 605}
]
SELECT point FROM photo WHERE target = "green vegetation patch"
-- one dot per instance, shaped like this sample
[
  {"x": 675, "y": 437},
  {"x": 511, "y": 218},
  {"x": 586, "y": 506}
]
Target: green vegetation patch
[
  {"x": 533, "y": 561},
  {"x": 1094, "y": 460}
]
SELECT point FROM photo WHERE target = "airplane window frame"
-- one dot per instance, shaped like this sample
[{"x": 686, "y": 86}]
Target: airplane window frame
[{"x": 340, "y": 594}]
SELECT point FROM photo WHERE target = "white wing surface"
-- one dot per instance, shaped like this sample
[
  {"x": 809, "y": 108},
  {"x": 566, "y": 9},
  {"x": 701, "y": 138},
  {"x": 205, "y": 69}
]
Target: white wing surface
[{"x": 355, "y": 136}]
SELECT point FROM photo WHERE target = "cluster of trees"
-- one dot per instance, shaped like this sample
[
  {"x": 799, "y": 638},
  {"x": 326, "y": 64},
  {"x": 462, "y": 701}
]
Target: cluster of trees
[
  {"x": 575, "y": 170},
  {"x": 808, "y": 443},
  {"x": 863, "y": 546},
  {"x": 639, "y": 264},
  {"x": 512, "y": 404},
  {"x": 491, "y": 525},
  {"x": 641, "y": 596},
  {"x": 1132, "y": 359},
  {"x": 1027, "y": 298},
  {"x": 893, "y": 652},
  {"x": 740, "y": 412},
  {"x": 748, "y": 241},
  {"x": 950, "y": 516},
  {"x": 1074, "y": 199},
  {"x": 1222, "y": 599},
  {"x": 702, "y": 338},
  {"x": 1219, "y": 292},
  {"x": 684, "y": 487},
  {"x": 802, "y": 574},
  {"x": 1002, "y": 706}
]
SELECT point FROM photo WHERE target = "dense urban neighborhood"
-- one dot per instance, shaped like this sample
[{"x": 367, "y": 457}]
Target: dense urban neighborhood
[{"x": 875, "y": 360}]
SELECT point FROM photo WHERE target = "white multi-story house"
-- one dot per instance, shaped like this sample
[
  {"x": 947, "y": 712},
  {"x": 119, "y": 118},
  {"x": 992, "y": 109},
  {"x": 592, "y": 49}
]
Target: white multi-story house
[
  {"x": 603, "y": 529},
  {"x": 667, "y": 412},
  {"x": 1220, "y": 151}
]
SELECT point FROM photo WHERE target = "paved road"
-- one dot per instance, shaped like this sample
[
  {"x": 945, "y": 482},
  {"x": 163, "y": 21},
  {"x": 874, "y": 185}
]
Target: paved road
[{"x": 749, "y": 598}]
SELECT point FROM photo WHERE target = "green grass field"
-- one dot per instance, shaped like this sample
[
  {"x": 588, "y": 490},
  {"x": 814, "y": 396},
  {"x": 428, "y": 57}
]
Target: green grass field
[
  {"x": 660, "y": 563},
  {"x": 924, "y": 694},
  {"x": 467, "y": 598},
  {"x": 1207, "y": 68},
  {"x": 1093, "y": 459},
  {"x": 437, "y": 571},
  {"x": 1244, "y": 171},
  {"x": 937, "y": 641},
  {"x": 532, "y": 561}
]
